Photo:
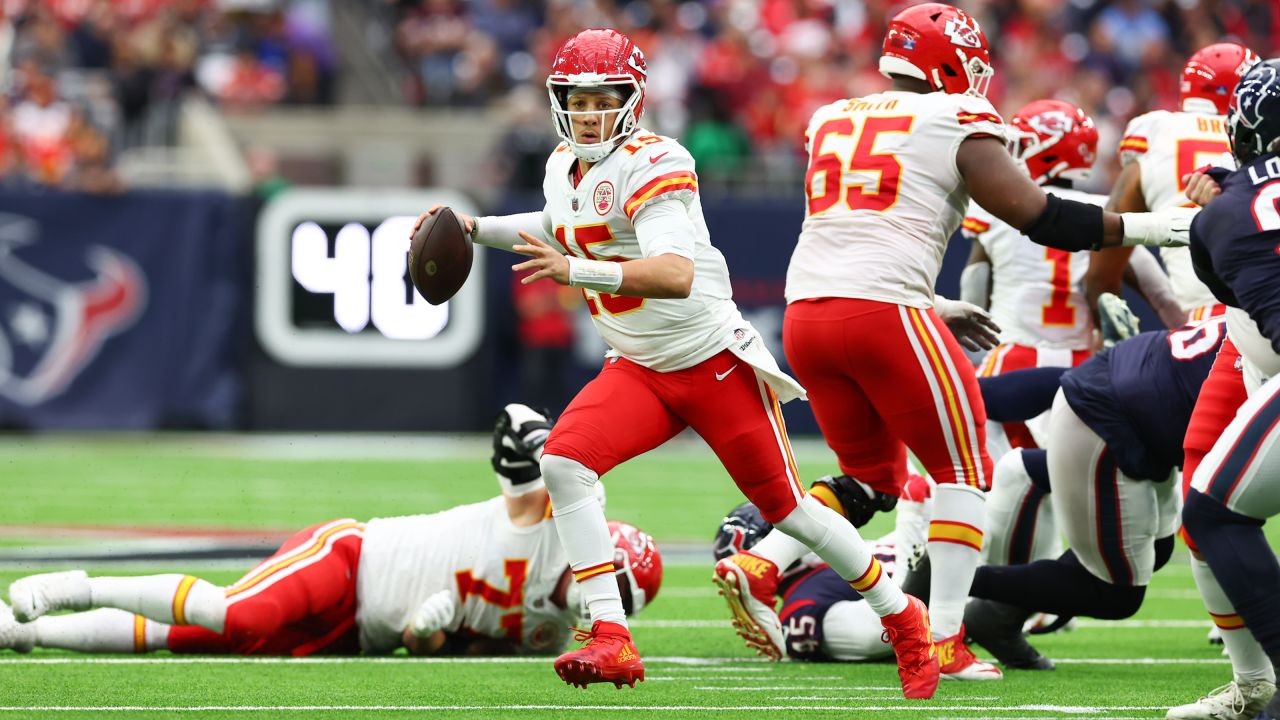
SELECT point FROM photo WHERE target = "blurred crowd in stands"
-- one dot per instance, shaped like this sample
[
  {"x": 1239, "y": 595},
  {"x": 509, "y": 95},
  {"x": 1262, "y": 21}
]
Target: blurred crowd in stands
[
  {"x": 737, "y": 80},
  {"x": 85, "y": 80}
]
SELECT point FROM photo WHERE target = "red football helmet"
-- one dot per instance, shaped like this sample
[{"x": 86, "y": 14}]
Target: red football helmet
[
  {"x": 598, "y": 58},
  {"x": 1211, "y": 74},
  {"x": 1053, "y": 139},
  {"x": 638, "y": 562},
  {"x": 941, "y": 45}
]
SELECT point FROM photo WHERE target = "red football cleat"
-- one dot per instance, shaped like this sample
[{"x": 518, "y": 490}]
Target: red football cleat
[
  {"x": 912, "y": 642},
  {"x": 959, "y": 662},
  {"x": 608, "y": 656},
  {"x": 749, "y": 584}
]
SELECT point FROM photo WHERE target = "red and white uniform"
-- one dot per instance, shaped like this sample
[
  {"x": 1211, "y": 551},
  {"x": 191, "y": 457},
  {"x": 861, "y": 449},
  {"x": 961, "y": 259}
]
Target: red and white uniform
[
  {"x": 1037, "y": 295},
  {"x": 345, "y": 586},
  {"x": 672, "y": 363},
  {"x": 503, "y": 576},
  {"x": 884, "y": 196},
  {"x": 1168, "y": 145},
  {"x": 1037, "y": 299}
]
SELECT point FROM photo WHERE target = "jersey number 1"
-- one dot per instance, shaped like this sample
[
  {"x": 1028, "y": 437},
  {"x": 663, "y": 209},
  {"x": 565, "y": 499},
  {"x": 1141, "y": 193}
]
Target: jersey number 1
[
  {"x": 516, "y": 572},
  {"x": 1059, "y": 312},
  {"x": 886, "y": 165}
]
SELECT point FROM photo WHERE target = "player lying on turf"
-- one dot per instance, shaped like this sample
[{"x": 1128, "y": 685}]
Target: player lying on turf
[
  {"x": 485, "y": 578},
  {"x": 823, "y": 617}
]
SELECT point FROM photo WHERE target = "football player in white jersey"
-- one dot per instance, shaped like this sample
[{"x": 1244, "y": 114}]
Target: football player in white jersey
[
  {"x": 623, "y": 222},
  {"x": 890, "y": 176},
  {"x": 1158, "y": 150},
  {"x": 484, "y": 578}
]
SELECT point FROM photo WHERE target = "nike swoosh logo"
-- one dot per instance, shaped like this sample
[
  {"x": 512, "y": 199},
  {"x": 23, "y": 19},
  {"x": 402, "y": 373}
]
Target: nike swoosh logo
[
  {"x": 725, "y": 374},
  {"x": 656, "y": 158}
]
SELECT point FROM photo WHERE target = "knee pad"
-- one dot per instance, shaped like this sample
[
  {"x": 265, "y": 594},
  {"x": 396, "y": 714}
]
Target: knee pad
[
  {"x": 568, "y": 481},
  {"x": 1121, "y": 601}
]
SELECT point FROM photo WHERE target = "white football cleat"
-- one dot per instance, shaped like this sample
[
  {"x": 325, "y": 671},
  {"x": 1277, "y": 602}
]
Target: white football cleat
[
  {"x": 37, "y": 595},
  {"x": 1233, "y": 701},
  {"x": 13, "y": 634}
]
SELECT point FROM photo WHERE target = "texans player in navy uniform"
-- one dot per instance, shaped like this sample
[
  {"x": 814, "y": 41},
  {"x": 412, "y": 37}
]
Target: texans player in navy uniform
[
  {"x": 1121, "y": 415},
  {"x": 1115, "y": 441},
  {"x": 1235, "y": 246}
]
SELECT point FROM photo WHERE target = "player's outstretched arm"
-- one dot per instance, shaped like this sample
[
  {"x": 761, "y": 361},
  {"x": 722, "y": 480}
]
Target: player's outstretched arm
[
  {"x": 496, "y": 231},
  {"x": 1006, "y": 192}
]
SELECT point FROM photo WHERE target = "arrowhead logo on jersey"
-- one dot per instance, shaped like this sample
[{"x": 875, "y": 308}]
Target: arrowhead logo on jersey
[
  {"x": 51, "y": 329},
  {"x": 962, "y": 34},
  {"x": 604, "y": 197}
]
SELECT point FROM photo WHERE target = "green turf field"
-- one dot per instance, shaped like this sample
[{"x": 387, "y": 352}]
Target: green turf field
[{"x": 695, "y": 664}]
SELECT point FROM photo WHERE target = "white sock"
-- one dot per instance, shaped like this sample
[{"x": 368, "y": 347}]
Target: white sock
[
  {"x": 1249, "y": 662},
  {"x": 169, "y": 599},
  {"x": 780, "y": 548},
  {"x": 955, "y": 549},
  {"x": 103, "y": 631},
  {"x": 584, "y": 533},
  {"x": 838, "y": 543}
]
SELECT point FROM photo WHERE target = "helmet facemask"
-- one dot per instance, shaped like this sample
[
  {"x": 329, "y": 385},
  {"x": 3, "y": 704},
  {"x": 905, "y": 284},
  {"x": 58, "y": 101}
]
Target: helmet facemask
[
  {"x": 978, "y": 72},
  {"x": 633, "y": 596},
  {"x": 625, "y": 119}
]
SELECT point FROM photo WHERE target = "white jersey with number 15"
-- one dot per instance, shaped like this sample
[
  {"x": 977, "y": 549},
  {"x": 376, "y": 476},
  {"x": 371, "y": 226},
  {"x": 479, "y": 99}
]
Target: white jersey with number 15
[{"x": 884, "y": 195}]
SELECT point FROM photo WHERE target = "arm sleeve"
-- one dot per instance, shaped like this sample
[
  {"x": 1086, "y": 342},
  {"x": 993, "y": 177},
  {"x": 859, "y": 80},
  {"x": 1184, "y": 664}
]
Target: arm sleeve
[
  {"x": 975, "y": 283},
  {"x": 1151, "y": 278},
  {"x": 665, "y": 227},
  {"x": 503, "y": 231}
]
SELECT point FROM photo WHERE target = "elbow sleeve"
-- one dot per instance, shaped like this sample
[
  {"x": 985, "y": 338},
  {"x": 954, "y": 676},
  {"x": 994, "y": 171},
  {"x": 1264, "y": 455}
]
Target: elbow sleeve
[{"x": 1067, "y": 225}]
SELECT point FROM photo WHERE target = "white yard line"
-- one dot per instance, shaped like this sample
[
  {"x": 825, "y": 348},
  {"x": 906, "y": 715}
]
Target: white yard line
[
  {"x": 1082, "y": 623},
  {"x": 904, "y": 706},
  {"x": 715, "y": 664}
]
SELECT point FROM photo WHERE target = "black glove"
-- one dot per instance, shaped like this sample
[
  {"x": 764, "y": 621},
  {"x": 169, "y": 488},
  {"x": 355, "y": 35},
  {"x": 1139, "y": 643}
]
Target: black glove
[{"x": 518, "y": 435}]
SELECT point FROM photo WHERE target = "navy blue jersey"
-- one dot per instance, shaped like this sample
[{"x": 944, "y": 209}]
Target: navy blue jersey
[
  {"x": 1138, "y": 395},
  {"x": 1235, "y": 243},
  {"x": 805, "y": 605}
]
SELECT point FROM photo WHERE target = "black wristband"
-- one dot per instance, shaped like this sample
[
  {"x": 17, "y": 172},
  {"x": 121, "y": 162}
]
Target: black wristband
[{"x": 1067, "y": 225}]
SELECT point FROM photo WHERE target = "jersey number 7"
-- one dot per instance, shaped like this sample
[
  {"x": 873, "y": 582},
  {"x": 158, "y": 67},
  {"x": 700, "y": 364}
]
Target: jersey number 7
[{"x": 828, "y": 167}]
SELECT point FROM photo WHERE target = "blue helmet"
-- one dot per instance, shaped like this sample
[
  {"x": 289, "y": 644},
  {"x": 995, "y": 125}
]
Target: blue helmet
[
  {"x": 1253, "y": 118},
  {"x": 743, "y": 527}
]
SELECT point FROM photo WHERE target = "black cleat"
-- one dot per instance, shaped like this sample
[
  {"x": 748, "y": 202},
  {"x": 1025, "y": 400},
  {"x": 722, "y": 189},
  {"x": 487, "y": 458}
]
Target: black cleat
[{"x": 997, "y": 627}]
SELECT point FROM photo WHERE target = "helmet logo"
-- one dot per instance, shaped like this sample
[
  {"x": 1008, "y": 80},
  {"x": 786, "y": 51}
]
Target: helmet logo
[
  {"x": 1055, "y": 123},
  {"x": 604, "y": 197},
  {"x": 1256, "y": 85},
  {"x": 636, "y": 61},
  {"x": 962, "y": 34}
]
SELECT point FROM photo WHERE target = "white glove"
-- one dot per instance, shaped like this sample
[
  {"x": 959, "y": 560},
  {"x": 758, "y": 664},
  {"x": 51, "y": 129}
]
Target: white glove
[
  {"x": 1170, "y": 227},
  {"x": 435, "y": 613},
  {"x": 972, "y": 326},
  {"x": 1117, "y": 322}
]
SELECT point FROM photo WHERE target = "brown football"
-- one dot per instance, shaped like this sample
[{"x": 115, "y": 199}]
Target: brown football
[{"x": 440, "y": 256}]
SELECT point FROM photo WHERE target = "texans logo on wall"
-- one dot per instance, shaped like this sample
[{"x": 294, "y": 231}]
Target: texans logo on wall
[{"x": 50, "y": 328}]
